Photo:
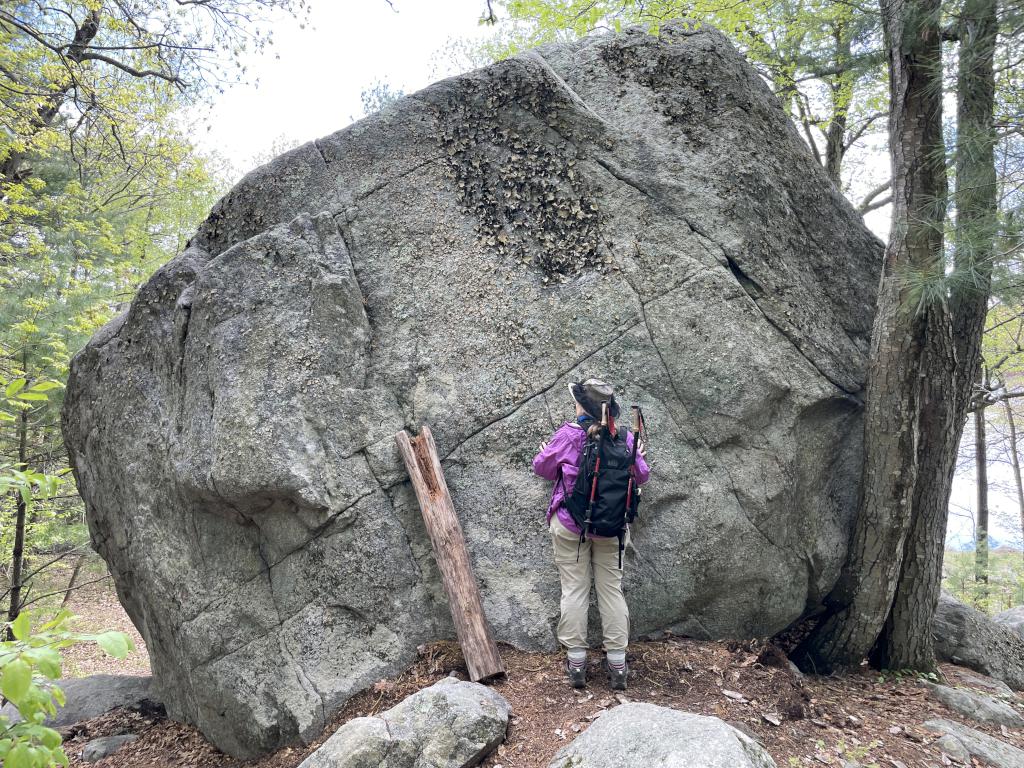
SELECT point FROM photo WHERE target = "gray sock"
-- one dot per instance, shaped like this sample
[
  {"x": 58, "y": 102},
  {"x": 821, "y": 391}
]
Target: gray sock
[
  {"x": 577, "y": 658},
  {"x": 616, "y": 659}
]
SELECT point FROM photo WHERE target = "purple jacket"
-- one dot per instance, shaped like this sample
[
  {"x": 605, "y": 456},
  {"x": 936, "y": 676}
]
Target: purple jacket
[{"x": 563, "y": 452}]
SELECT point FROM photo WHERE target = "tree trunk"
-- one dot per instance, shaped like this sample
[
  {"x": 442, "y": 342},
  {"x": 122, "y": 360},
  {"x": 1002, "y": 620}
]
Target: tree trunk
[
  {"x": 71, "y": 582},
  {"x": 841, "y": 89},
  {"x": 906, "y": 640},
  {"x": 860, "y": 603},
  {"x": 953, "y": 356},
  {"x": 1015, "y": 463},
  {"x": 981, "y": 515},
  {"x": 18, "y": 555}
]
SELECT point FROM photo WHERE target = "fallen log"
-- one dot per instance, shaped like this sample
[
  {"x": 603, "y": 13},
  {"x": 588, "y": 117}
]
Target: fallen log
[{"x": 449, "y": 543}]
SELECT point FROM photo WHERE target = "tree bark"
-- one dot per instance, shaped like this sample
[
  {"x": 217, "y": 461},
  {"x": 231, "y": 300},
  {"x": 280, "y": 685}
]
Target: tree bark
[
  {"x": 1015, "y": 463},
  {"x": 981, "y": 514},
  {"x": 860, "y": 603},
  {"x": 475, "y": 638},
  {"x": 835, "y": 136},
  {"x": 906, "y": 640},
  {"x": 952, "y": 357},
  {"x": 21, "y": 508},
  {"x": 79, "y": 561}
]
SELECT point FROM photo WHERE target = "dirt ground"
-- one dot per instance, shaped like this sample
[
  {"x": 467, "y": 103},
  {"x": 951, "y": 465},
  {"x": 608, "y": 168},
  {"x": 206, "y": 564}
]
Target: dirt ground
[
  {"x": 867, "y": 718},
  {"x": 809, "y": 721}
]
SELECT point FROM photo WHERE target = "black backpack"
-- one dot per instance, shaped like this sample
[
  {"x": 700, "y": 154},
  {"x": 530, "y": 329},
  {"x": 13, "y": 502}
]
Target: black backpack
[{"x": 605, "y": 507}]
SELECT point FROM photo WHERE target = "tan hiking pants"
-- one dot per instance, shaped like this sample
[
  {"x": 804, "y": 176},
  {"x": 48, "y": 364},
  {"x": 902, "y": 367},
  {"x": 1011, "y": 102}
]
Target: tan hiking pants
[{"x": 599, "y": 557}]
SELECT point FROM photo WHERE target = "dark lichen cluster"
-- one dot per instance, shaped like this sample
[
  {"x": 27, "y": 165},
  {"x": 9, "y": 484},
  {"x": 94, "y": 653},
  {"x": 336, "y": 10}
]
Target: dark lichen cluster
[
  {"x": 521, "y": 179},
  {"x": 685, "y": 94}
]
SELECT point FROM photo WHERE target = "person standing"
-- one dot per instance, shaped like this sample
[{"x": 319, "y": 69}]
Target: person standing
[{"x": 581, "y": 556}]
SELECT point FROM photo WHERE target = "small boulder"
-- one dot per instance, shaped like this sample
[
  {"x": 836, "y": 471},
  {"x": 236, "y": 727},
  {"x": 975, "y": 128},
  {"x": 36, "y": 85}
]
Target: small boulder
[
  {"x": 1013, "y": 619},
  {"x": 953, "y": 748},
  {"x": 649, "y": 736},
  {"x": 99, "y": 748},
  {"x": 451, "y": 724},
  {"x": 977, "y": 706},
  {"x": 92, "y": 696},
  {"x": 991, "y": 750},
  {"x": 971, "y": 639}
]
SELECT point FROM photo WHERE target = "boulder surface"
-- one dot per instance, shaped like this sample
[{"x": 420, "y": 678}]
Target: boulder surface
[
  {"x": 451, "y": 724},
  {"x": 649, "y": 736},
  {"x": 977, "y": 706},
  {"x": 634, "y": 207},
  {"x": 990, "y": 749},
  {"x": 94, "y": 695},
  {"x": 1012, "y": 618},
  {"x": 966, "y": 636}
]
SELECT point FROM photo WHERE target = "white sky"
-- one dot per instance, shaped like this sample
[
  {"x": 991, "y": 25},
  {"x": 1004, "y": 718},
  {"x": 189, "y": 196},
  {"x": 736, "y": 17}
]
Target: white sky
[
  {"x": 310, "y": 80},
  {"x": 309, "y": 85}
]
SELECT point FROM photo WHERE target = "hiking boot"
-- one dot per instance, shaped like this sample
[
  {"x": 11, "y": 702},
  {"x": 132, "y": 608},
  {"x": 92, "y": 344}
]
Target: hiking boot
[
  {"x": 617, "y": 677},
  {"x": 577, "y": 677}
]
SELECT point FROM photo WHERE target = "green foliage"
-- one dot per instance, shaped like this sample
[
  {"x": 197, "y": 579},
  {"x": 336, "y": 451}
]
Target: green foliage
[
  {"x": 1004, "y": 588},
  {"x": 899, "y": 675},
  {"x": 20, "y": 395},
  {"x": 30, "y": 663},
  {"x": 99, "y": 186},
  {"x": 857, "y": 753}
]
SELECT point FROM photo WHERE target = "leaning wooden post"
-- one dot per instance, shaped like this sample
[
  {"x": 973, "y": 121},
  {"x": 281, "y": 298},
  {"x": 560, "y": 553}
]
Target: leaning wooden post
[{"x": 471, "y": 627}]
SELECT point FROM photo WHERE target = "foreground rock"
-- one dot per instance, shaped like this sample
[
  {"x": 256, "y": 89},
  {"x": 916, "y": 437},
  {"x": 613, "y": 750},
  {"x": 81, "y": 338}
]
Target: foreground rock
[
  {"x": 92, "y": 696},
  {"x": 648, "y": 736},
  {"x": 991, "y": 750},
  {"x": 1013, "y": 618},
  {"x": 633, "y": 207},
  {"x": 968, "y": 637},
  {"x": 451, "y": 724},
  {"x": 988, "y": 684},
  {"x": 953, "y": 748},
  {"x": 984, "y": 709},
  {"x": 105, "y": 746}
]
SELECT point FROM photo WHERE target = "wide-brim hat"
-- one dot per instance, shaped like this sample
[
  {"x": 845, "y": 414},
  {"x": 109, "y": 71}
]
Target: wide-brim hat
[{"x": 591, "y": 393}]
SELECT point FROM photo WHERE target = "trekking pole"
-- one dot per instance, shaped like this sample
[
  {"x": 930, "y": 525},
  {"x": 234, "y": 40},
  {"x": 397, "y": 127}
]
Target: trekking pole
[
  {"x": 597, "y": 467},
  {"x": 632, "y": 459}
]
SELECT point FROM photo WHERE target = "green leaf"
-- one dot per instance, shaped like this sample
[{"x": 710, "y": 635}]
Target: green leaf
[
  {"x": 45, "y": 386},
  {"x": 116, "y": 644},
  {"x": 15, "y": 681},
  {"x": 50, "y": 738},
  {"x": 47, "y": 660},
  {"x": 18, "y": 757},
  {"x": 14, "y": 387},
  {"x": 21, "y": 626},
  {"x": 29, "y": 395}
]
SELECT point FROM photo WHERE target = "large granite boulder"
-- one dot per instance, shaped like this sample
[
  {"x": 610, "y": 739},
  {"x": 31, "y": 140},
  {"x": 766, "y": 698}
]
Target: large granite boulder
[{"x": 628, "y": 206}]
